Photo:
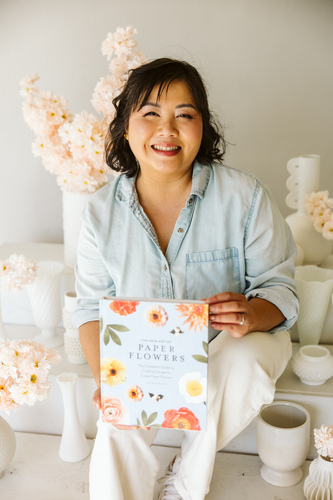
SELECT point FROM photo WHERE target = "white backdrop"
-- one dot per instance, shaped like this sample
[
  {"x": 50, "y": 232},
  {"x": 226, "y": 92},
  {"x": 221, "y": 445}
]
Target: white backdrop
[{"x": 267, "y": 63}]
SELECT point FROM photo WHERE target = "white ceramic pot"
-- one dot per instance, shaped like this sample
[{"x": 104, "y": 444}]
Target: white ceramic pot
[
  {"x": 315, "y": 287},
  {"x": 7, "y": 445},
  {"x": 73, "y": 445},
  {"x": 313, "y": 364},
  {"x": 318, "y": 485},
  {"x": 283, "y": 436},
  {"x": 304, "y": 179},
  {"x": 44, "y": 294}
]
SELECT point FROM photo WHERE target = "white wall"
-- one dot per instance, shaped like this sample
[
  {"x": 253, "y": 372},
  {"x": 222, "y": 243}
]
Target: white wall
[{"x": 268, "y": 65}]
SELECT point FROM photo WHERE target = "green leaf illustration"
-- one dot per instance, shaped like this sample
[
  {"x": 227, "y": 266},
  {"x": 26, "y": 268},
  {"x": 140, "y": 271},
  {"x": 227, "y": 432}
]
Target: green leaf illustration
[
  {"x": 152, "y": 417},
  {"x": 100, "y": 325},
  {"x": 138, "y": 422},
  {"x": 120, "y": 328},
  {"x": 106, "y": 337},
  {"x": 144, "y": 418},
  {"x": 200, "y": 358},
  {"x": 205, "y": 346},
  {"x": 113, "y": 335}
]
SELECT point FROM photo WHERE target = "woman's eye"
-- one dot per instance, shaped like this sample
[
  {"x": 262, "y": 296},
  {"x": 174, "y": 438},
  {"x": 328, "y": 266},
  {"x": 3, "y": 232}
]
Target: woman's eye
[
  {"x": 185, "y": 115},
  {"x": 151, "y": 113}
]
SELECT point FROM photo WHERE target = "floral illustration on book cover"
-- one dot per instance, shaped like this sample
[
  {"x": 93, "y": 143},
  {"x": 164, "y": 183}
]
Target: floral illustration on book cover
[{"x": 154, "y": 360}]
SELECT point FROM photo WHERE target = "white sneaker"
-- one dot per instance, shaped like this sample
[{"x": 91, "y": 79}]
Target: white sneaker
[{"x": 168, "y": 490}]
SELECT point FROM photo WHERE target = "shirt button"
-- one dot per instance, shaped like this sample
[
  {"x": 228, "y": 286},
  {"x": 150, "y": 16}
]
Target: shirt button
[
  {"x": 165, "y": 267},
  {"x": 190, "y": 200},
  {"x": 180, "y": 230}
]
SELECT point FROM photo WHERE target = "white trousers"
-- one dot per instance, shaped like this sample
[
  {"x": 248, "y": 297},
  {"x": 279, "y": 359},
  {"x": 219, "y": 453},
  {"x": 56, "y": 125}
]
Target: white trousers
[{"x": 241, "y": 378}]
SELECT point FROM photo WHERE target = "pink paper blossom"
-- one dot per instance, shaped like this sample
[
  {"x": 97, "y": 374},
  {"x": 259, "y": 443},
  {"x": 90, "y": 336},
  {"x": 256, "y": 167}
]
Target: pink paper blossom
[
  {"x": 324, "y": 441},
  {"x": 319, "y": 206},
  {"x": 16, "y": 272},
  {"x": 72, "y": 147}
]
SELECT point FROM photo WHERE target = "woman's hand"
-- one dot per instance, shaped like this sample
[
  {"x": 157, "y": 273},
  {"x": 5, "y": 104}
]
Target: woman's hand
[{"x": 235, "y": 314}]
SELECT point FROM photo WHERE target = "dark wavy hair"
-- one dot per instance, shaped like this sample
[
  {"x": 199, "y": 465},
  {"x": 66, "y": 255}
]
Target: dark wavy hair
[{"x": 141, "y": 82}]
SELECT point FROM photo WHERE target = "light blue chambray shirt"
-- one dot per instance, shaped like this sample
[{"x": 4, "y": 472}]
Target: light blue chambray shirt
[{"x": 230, "y": 236}]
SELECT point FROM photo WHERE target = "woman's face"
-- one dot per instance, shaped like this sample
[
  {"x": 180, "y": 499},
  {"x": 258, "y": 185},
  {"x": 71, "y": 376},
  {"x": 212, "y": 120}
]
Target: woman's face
[{"x": 165, "y": 135}]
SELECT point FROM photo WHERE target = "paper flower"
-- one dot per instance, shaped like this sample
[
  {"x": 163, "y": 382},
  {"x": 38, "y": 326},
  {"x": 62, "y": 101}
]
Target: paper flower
[
  {"x": 17, "y": 271},
  {"x": 113, "y": 372},
  {"x": 71, "y": 147},
  {"x": 113, "y": 411},
  {"x": 24, "y": 368},
  {"x": 181, "y": 419},
  {"x": 155, "y": 316},
  {"x": 134, "y": 393},
  {"x": 123, "y": 307},
  {"x": 193, "y": 386},
  {"x": 324, "y": 441},
  {"x": 320, "y": 208},
  {"x": 196, "y": 315}
]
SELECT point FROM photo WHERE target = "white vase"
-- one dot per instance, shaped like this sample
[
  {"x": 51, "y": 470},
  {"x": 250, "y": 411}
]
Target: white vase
[
  {"x": 7, "y": 445},
  {"x": 73, "y": 347},
  {"x": 318, "y": 485},
  {"x": 72, "y": 206},
  {"x": 304, "y": 179},
  {"x": 314, "y": 287},
  {"x": 3, "y": 332},
  {"x": 283, "y": 437},
  {"x": 45, "y": 298},
  {"x": 74, "y": 445},
  {"x": 313, "y": 364}
]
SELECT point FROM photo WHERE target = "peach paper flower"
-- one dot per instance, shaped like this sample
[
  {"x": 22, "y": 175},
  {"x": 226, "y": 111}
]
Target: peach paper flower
[
  {"x": 113, "y": 411},
  {"x": 181, "y": 419},
  {"x": 134, "y": 393},
  {"x": 123, "y": 307},
  {"x": 196, "y": 315},
  {"x": 324, "y": 441},
  {"x": 156, "y": 316}
]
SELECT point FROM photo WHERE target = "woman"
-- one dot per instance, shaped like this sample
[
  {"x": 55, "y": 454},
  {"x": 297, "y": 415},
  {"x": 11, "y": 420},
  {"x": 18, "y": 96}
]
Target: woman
[{"x": 179, "y": 224}]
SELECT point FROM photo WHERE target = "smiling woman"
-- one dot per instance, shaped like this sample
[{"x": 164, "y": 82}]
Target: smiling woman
[{"x": 178, "y": 224}]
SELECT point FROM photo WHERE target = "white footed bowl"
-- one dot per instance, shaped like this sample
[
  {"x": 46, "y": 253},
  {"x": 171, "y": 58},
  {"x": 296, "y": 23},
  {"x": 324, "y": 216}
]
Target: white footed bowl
[
  {"x": 313, "y": 364},
  {"x": 283, "y": 437}
]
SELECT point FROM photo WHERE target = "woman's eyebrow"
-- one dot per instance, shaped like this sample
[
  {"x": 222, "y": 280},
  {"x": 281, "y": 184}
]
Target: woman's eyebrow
[{"x": 156, "y": 105}]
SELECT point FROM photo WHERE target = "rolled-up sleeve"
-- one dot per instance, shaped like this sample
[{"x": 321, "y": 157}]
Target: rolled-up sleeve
[
  {"x": 93, "y": 280},
  {"x": 270, "y": 254}
]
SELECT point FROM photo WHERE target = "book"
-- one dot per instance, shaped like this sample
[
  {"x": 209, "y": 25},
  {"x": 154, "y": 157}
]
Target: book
[{"x": 154, "y": 362}]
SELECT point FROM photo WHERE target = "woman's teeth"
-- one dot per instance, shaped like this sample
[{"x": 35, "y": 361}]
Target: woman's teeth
[{"x": 166, "y": 148}]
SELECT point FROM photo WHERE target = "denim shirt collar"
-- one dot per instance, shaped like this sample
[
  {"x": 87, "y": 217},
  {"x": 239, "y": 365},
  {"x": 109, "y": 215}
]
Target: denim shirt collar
[{"x": 126, "y": 191}]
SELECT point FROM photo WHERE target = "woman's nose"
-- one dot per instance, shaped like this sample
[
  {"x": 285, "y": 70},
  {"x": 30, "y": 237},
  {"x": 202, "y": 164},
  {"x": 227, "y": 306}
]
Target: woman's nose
[{"x": 167, "y": 127}]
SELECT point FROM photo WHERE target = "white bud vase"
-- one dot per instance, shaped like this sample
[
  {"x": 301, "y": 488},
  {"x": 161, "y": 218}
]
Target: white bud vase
[
  {"x": 7, "y": 445},
  {"x": 304, "y": 179},
  {"x": 44, "y": 294},
  {"x": 318, "y": 485},
  {"x": 72, "y": 207},
  {"x": 74, "y": 445}
]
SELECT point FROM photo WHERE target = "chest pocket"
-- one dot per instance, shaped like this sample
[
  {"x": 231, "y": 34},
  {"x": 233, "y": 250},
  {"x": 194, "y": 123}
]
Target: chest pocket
[{"x": 209, "y": 273}]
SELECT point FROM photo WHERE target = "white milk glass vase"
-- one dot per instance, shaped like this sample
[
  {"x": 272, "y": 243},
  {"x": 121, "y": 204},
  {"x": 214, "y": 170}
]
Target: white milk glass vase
[
  {"x": 74, "y": 445},
  {"x": 304, "y": 179},
  {"x": 314, "y": 287},
  {"x": 72, "y": 205},
  {"x": 318, "y": 485},
  {"x": 7, "y": 445},
  {"x": 45, "y": 299},
  {"x": 73, "y": 347}
]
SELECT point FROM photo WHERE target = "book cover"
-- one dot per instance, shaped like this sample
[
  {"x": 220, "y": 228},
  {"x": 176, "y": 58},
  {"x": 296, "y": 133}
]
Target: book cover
[{"x": 154, "y": 361}]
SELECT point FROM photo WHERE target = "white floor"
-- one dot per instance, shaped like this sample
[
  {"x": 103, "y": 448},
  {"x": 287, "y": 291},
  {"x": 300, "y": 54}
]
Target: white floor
[{"x": 37, "y": 473}]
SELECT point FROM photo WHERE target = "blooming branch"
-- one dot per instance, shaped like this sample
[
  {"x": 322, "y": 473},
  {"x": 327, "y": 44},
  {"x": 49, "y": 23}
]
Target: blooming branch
[
  {"x": 319, "y": 206},
  {"x": 17, "y": 271},
  {"x": 324, "y": 441},
  {"x": 24, "y": 368},
  {"x": 72, "y": 147}
]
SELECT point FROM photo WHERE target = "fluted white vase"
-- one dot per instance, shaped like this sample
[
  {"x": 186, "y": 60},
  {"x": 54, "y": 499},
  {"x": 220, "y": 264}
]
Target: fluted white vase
[
  {"x": 318, "y": 485},
  {"x": 72, "y": 206},
  {"x": 315, "y": 287},
  {"x": 74, "y": 445},
  {"x": 7, "y": 445},
  {"x": 304, "y": 179},
  {"x": 45, "y": 299}
]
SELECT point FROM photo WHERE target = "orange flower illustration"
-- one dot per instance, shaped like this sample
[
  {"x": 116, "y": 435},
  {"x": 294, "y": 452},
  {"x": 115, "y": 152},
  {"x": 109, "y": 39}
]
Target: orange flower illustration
[
  {"x": 113, "y": 411},
  {"x": 196, "y": 315},
  {"x": 156, "y": 316},
  {"x": 134, "y": 393},
  {"x": 181, "y": 419},
  {"x": 124, "y": 307}
]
